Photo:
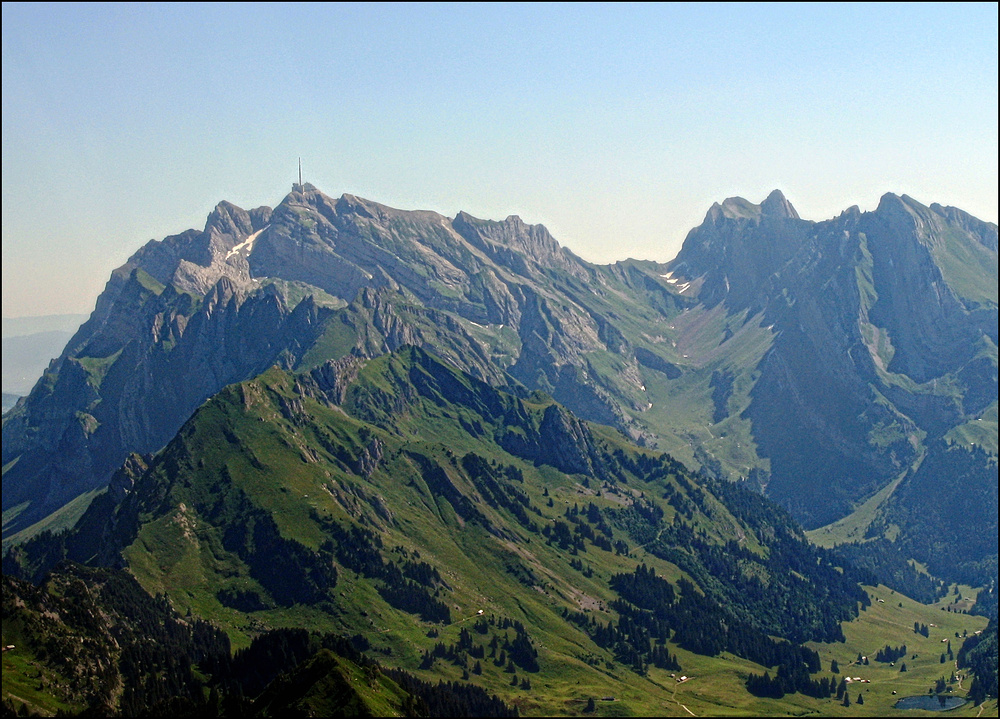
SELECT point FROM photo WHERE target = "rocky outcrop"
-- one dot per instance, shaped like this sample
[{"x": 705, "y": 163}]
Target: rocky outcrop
[
  {"x": 194, "y": 261},
  {"x": 560, "y": 440},
  {"x": 929, "y": 324},
  {"x": 527, "y": 250},
  {"x": 136, "y": 373}
]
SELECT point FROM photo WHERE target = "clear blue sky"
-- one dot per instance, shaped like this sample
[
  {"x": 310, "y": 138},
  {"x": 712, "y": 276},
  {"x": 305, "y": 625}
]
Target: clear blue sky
[{"x": 615, "y": 126}]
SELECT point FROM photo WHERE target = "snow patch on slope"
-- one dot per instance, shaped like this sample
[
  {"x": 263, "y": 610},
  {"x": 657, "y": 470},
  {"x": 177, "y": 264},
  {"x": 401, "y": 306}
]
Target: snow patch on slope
[{"x": 247, "y": 244}]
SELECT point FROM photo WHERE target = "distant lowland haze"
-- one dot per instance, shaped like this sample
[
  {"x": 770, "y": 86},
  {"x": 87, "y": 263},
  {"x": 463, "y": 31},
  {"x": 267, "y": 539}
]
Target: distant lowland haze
[{"x": 29, "y": 343}]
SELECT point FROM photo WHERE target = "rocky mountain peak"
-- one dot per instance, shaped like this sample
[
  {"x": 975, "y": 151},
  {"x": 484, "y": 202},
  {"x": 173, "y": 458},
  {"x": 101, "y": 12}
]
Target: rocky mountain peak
[
  {"x": 497, "y": 239},
  {"x": 193, "y": 261},
  {"x": 228, "y": 220},
  {"x": 739, "y": 247},
  {"x": 777, "y": 206},
  {"x": 732, "y": 208},
  {"x": 895, "y": 207},
  {"x": 930, "y": 222},
  {"x": 352, "y": 204}
]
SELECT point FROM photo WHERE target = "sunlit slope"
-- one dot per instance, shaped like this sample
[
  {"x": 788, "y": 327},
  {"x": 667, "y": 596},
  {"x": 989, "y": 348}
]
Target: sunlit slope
[{"x": 398, "y": 498}]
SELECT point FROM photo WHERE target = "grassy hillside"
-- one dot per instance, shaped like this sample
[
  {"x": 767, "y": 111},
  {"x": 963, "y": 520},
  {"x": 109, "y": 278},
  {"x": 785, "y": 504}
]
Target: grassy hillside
[
  {"x": 465, "y": 535},
  {"x": 308, "y": 677}
]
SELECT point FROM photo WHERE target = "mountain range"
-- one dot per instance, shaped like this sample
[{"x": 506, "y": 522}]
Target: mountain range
[{"x": 300, "y": 412}]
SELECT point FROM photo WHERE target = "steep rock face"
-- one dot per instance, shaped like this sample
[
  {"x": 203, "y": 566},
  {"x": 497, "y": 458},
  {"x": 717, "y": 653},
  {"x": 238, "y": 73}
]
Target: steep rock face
[
  {"x": 526, "y": 249},
  {"x": 923, "y": 314},
  {"x": 131, "y": 376},
  {"x": 483, "y": 271},
  {"x": 488, "y": 273},
  {"x": 194, "y": 261},
  {"x": 814, "y": 407},
  {"x": 740, "y": 248},
  {"x": 877, "y": 340},
  {"x": 561, "y": 440},
  {"x": 381, "y": 324},
  {"x": 302, "y": 243}
]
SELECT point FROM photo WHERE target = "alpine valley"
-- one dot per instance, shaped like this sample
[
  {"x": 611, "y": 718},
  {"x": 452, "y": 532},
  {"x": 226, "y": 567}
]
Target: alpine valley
[{"x": 334, "y": 458}]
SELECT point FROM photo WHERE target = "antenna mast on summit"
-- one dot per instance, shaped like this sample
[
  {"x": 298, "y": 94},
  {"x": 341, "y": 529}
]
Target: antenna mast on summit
[{"x": 300, "y": 174}]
